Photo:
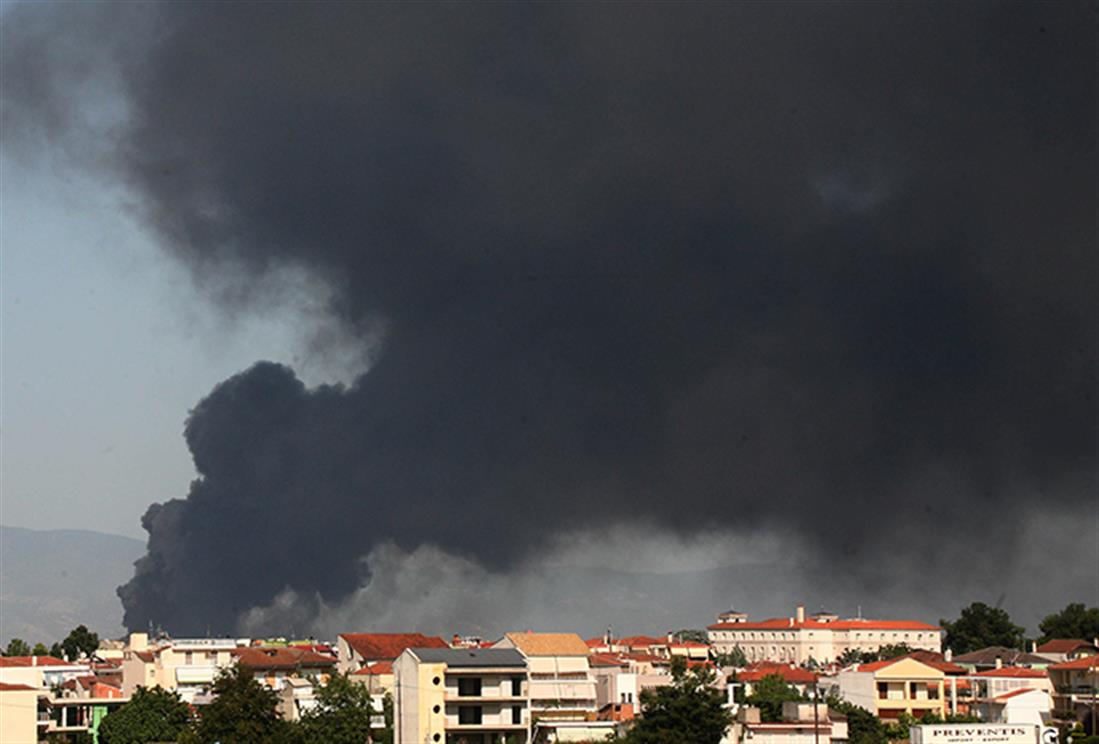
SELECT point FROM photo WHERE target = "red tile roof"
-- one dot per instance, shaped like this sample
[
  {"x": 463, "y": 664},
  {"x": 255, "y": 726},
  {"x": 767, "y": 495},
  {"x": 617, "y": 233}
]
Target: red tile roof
[
  {"x": 789, "y": 674},
  {"x": 639, "y": 641},
  {"x": 1063, "y": 645},
  {"x": 607, "y": 660},
  {"x": 595, "y": 642},
  {"x": 1013, "y": 672},
  {"x": 945, "y": 667},
  {"x": 27, "y": 661},
  {"x": 785, "y": 623},
  {"x": 6, "y": 687},
  {"x": 381, "y": 667},
  {"x": 1013, "y": 693},
  {"x": 281, "y": 658},
  {"x": 1085, "y": 662},
  {"x": 388, "y": 646}
]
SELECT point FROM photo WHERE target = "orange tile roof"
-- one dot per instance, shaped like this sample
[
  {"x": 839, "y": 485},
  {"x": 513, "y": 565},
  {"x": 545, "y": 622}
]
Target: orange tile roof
[
  {"x": 1012, "y": 672},
  {"x": 639, "y": 641},
  {"x": 785, "y": 623},
  {"x": 1084, "y": 662},
  {"x": 27, "y": 661},
  {"x": 281, "y": 658},
  {"x": 381, "y": 667},
  {"x": 608, "y": 660},
  {"x": 1063, "y": 645},
  {"x": 757, "y": 672},
  {"x": 388, "y": 646},
  {"x": 549, "y": 644},
  {"x": 7, "y": 687},
  {"x": 595, "y": 642},
  {"x": 1014, "y": 693}
]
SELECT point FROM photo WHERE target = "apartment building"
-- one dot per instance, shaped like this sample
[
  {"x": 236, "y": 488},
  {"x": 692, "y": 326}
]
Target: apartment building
[
  {"x": 357, "y": 650},
  {"x": 822, "y": 637},
  {"x": 1075, "y": 687},
  {"x": 273, "y": 667},
  {"x": 186, "y": 665},
  {"x": 889, "y": 688},
  {"x": 562, "y": 687},
  {"x": 40, "y": 672},
  {"x": 994, "y": 682},
  {"x": 19, "y": 720},
  {"x": 461, "y": 696}
]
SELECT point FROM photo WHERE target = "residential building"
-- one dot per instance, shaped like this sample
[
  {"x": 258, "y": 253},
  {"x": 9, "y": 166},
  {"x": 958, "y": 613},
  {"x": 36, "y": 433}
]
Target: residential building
[
  {"x": 1021, "y": 706},
  {"x": 800, "y": 679},
  {"x": 994, "y": 657},
  {"x": 822, "y": 638},
  {"x": 800, "y": 724},
  {"x": 1060, "y": 650},
  {"x": 186, "y": 665},
  {"x": 19, "y": 719},
  {"x": 889, "y": 688},
  {"x": 297, "y": 696},
  {"x": 81, "y": 704},
  {"x": 40, "y": 672},
  {"x": 992, "y": 683},
  {"x": 274, "y": 666},
  {"x": 356, "y": 650},
  {"x": 461, "y": 696},
  {"x": 562, "y": 687},
  {"x": 1075, "y": 687}
]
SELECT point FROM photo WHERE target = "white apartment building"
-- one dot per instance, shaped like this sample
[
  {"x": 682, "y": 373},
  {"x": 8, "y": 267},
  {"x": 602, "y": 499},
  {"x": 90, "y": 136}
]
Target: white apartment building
[
  {"x": 823, "y": 637},
  {"x": 186, "y": 665},
  {"x": 468, "y": 695},
  {"x": 562, "y": 687}
]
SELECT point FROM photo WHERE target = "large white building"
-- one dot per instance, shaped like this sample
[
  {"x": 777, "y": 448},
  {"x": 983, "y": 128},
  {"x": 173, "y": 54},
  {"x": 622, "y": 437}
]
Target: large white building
[{"x": 822, "y": 637}]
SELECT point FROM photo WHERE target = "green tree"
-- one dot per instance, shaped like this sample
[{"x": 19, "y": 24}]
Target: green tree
[
  {"x": 56, "y": 651},
  {"x": 80, "y": 640},
  {"x": 769, "y": 694},
  {"x": 1075, "y": 621},
  {"x": 343, "y": 713},
  {"x": 385, "y": 736},
  {"x": 688, "y": 711},
  {"x": 980, "y": 626},
  {"x": 854, "y": 656},
  {"x": 40, "y": 650},
  {"x": 863, "y": 727},
  {"x": 151, "y": 715},
  {"x": 691, "y": 635},
  {"x": 893, "y": 651},
  {"x": 244, "y": 712},
  {"x": 734, "y": 658},
  {"x": 17, "y": 647}
]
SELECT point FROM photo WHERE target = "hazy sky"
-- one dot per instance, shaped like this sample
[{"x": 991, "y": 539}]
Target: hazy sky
[
  {"x": 107, "y": 344},
  {"x": 814, "y": 276}
]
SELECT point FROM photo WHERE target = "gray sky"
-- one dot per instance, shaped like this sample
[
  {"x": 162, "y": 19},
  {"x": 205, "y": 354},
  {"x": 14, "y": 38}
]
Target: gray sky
[
  {"x": 821, "y": 271},
  {"x": 106, "y": 346}
]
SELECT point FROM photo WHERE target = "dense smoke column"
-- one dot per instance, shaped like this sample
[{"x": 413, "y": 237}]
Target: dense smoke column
[{"x": 830, "y": 268}]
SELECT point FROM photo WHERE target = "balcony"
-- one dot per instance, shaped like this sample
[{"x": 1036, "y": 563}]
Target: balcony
[{"x": 195, "y": 675}]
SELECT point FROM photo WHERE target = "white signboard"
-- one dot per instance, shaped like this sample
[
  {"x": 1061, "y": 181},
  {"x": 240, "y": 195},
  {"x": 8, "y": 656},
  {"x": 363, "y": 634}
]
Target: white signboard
[{"x": 975, "y": 733}]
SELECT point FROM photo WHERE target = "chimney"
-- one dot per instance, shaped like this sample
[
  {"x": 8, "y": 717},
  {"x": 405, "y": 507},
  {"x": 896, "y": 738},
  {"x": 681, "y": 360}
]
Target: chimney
[
  {"x": 456, "y": 640},
  {"x": 949, "y": 655},
  {"x": 999, "y": 662},
  {"x": 607, "y": 636},
  {"x": 1034, "y": 647},
  {"x": 801, "y": 613},
  {"x": 34, "y": 661},
  {"x": 671, "y": 637}
]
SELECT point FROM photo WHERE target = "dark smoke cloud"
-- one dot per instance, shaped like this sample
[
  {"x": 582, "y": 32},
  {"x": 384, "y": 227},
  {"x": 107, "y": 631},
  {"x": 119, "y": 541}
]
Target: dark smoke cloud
[{"x": 823, "y": 268}]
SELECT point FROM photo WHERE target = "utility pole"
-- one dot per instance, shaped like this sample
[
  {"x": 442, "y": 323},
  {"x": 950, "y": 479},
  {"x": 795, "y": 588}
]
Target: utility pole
[{"x": 816, "y": 714}]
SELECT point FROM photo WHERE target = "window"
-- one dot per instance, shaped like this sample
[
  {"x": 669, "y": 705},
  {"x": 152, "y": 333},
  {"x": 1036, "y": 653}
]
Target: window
[
  {"x": 188, "y": 658},
  {"x": 932, "y": 692},
  {"x": 470, "y": 714},
  {"x": 469, "y": 686},
  {"x": 883, "y": 691},
  {"x": 516, "y": 714},
  {"x": 517, "y": 686}
]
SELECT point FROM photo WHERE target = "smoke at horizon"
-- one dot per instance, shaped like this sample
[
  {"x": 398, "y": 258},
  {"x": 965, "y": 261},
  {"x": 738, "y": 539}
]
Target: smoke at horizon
[{"x": 826, "y": 271}]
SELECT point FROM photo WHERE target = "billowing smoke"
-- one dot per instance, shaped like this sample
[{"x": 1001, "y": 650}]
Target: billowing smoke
[{"x": 821, "y": 270}]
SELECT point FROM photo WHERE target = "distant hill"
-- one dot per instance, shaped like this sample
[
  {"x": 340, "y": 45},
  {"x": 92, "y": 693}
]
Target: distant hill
[{"x": 53, "y": 580}]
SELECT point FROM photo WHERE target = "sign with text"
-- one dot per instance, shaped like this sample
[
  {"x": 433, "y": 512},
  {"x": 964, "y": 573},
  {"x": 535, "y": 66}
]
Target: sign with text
[{"x": 975, "y": 733}]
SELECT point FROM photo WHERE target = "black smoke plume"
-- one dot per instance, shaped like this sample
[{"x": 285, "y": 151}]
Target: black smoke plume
[{"x": 828, "y": 268}]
